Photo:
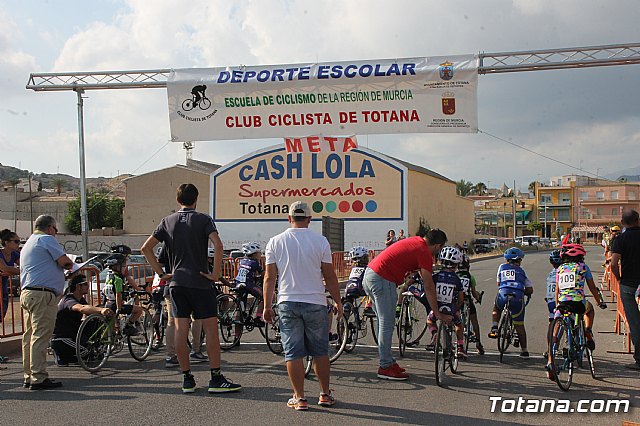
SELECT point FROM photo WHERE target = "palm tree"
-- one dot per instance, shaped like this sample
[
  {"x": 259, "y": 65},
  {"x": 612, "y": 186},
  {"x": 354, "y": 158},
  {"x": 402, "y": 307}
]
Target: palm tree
[
  {"x": 463, "y": 187},
  {"x": 480, "y": 188},
  {"x": 532, "y": 186},
  {"x": 58, "y": 183}
]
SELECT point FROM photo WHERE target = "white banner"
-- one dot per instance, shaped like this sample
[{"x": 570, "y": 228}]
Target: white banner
[{"x": 413, "y": 95}]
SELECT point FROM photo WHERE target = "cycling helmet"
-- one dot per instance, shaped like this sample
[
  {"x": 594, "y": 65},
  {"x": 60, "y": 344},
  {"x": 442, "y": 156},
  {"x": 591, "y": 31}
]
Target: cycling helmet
[
  {"x": 116, "y": 259},
  {"x": 573, "y": 250},
  {"x": 250, "y": 248},
  {"x": 451, "y": 255},
  {"x": 465, "y": 264},
  {"x": 121, "y": 249},
  {"x": 513, "y": 253},
  {"x": 358, "y": 252},
  {"x": 555, "y": 258}
]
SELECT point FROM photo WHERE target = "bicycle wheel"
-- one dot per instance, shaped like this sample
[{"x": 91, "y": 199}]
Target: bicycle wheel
[
  {"x": 229, "y": 315},
  {"x": 308, "y": 362},
  {"x": 337, "y": 346},
  {"x": 404, "y": 327},
  {"x": 93, "y": 342},
  {"x": 418, "y": 324},
  {"x": 453, "y": 344},
  {"x": 441, "y": 355},
  {"x": 188, "y": 104},
  {"x": 505, "y": 332},
  {"x": 272, "y": 334},
  {"x": 141, "y": 343},
  {"x": 560, "y": 349},
  {"x": 159, "y": 328},
  {"x": 352, "y": 321},
  {"x": 466, "y": 321},
  {"x": 205, "y": 103},
  {"x": 374, "y": 328},
  {"x": 589, "y": 355}
]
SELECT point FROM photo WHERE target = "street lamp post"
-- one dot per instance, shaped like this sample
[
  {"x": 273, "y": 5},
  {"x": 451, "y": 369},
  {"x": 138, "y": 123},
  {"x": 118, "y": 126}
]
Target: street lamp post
[
  {"x": 504, "y": 219},
  {"x": 545, "y": 218}
]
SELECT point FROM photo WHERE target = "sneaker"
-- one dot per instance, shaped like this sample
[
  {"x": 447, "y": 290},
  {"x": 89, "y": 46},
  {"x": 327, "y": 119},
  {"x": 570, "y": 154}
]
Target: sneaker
[
  {"x": 171, "y": 362},
  {"x": 369, "y": 312},
  {"x": 326, "y": 400},
  {"x": 219, "y": 384},
  {"x": 460, "y": 353},
  {"x": 298, "y": 404},
  {"x": 591, "y": 344},
  {"x": 397, "y": 367},
  {"x": 480, "y": 348},
  {"x": 188, "y": 384},
  {"x": 516, "y": 342},
  {"x": 392, "y": 373},
  {"x": 551, "y": 372},
  {"x": 4, "y": 359},
  {"x": 129, "y": 330},
  {"x": 198, "y": 357},
  {"x": 524, "y": 354},
  {"x": 45, "y": 384},
  {"x": 26, "y": 384},
  {"x": 493, "y": 334}
]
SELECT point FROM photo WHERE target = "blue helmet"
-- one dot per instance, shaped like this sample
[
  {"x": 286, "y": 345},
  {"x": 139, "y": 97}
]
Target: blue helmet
[
  {"x": 555, "y": 258},
  {"x": 513, "y": 253}
]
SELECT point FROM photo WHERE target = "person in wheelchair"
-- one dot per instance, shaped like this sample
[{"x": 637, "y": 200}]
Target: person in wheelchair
[
  {"x": 113, "y": 290},
  {"x": 71, "y": 310}
]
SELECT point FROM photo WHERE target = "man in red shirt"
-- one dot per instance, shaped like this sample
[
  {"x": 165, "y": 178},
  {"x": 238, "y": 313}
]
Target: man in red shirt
[{"x": 387, "y": 271}]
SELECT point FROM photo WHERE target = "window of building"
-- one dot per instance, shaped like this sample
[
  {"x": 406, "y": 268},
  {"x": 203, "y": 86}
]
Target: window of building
[
  {"x": 614, "y": 211},
  {"x": 563, "y": 215},
  {"x": 600, "y": 211},
  {"x": 545, "y": 198},
  {"x": 632, "y": 195},
  {"x": 584, "y": 195},
  {"x": 614, "y": 195},
  {"x": 564, "y": 198},
  {"x": 600, "y": 195}
]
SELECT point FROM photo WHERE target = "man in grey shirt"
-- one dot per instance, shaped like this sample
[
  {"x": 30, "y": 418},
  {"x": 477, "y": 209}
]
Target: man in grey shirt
[{"x": 186, "y": 234}]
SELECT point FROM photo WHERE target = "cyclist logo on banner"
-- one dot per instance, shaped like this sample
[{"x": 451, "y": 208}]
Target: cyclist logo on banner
[{"x": 198, "y": 99}]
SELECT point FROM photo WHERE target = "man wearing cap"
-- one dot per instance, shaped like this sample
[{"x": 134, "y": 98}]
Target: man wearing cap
[
  {"x": 625, "y": 250},
  {"x": 300, "y": 259},
  {"x": 43, "y": 262}
]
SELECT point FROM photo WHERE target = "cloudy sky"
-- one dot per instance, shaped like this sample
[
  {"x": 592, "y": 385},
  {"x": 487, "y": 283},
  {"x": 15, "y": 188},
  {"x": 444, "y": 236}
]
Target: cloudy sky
[{"x": 587, "y": 118}]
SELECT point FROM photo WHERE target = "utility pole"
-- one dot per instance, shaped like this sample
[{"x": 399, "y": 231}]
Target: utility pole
[
  {"x": 545, "y": 218},
  {"x": 515, "y": 229}
]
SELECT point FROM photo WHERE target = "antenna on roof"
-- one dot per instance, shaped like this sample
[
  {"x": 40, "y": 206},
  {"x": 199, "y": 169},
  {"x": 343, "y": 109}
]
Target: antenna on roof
[{"x": 188, "y": 147}]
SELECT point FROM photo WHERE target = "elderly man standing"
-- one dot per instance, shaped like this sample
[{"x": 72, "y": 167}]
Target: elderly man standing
[
  {"x": 42, "y": 276},
  {"x": 626, "y": 250},
  {"x": 300, "y": 258}
]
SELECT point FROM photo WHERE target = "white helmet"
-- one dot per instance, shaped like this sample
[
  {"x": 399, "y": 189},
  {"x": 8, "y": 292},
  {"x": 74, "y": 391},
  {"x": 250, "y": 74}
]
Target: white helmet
[
  {"x": 451, "y": 254},
  {"x": 249, "y": 248},
  {"x": 358, "y": 252}
]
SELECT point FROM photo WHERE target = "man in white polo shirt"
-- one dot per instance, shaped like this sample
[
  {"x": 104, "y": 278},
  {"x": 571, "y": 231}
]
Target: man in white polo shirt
[{"x": 300, "y": 259}]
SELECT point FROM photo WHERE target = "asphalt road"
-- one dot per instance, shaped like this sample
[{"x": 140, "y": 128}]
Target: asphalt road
[{"x": 130, "y": 392}]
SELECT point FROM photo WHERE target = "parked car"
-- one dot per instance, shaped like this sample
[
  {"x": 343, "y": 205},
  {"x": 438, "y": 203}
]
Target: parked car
[{"x": 482, "y": 245}]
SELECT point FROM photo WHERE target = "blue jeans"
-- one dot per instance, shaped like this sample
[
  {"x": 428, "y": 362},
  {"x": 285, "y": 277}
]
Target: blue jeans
[
  {"x": 304, "y": 328},
  {"x": 628, "y": 298},
  {"x": 384, "y": 295}
]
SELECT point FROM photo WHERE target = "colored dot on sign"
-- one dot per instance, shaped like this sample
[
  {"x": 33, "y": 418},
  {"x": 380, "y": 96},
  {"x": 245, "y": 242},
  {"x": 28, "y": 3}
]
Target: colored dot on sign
[
  {"x": 344, "y": 206},
  {"x": 317, "y": 207},
  {"x": 357, "y": 206},
  {"x": 331, "y": 206},
  {"x": 371, "y": 206}
]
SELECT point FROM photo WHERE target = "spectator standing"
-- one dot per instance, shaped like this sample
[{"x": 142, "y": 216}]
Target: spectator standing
[
  {"x": 387, "y": 271},
  {"x": 186, "y": 234},
  {"x": 9, "y": 261},
  {"x": 300, "y": 259},
  {"x": 391, "y": 238},
  {"x": 401, "y": 235},
  {"x": 42, "y": 276},
  {"x": 625, "y": 251}
]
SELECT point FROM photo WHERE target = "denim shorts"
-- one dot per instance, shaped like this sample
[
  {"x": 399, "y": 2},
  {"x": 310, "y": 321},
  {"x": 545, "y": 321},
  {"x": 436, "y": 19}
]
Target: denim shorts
[{"x": 304, "y": 328}]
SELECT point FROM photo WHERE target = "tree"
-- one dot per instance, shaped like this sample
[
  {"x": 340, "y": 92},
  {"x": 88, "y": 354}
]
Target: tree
[
  {"x": 534, "y": 226},
  {"x": 58, "y": 183},
  {"x": 39, "y": 186},
  {"x": 463, "y": 187},
  {"x": 532, "y": 186},
  {"x": 423, "y": 227},
  {"x": 102, "y": 211},
  {"x": 480, "y": 188}
]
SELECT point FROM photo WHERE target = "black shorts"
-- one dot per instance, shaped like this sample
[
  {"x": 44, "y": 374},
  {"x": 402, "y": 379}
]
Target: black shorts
[
  {"x": 187, "y": 301},
  {"x": 472, "y": 307},
  {"x": 124, "y": 309},
  {"x": 572, "y": 306}
]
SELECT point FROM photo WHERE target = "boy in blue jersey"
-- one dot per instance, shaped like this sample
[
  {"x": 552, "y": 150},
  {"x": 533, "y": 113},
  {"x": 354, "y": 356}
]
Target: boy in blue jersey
[
  {"x": 470, "y": 293},
  {"x": 359, "y": 260},
  {"x": 249, "y": 278},
  {"x": 512, "y": 280},
  {"x": 450, "y": 296}
]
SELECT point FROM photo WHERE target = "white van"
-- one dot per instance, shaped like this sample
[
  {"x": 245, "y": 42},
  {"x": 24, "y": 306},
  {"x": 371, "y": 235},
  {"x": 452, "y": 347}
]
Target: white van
[{"x": 529, "y": 240}]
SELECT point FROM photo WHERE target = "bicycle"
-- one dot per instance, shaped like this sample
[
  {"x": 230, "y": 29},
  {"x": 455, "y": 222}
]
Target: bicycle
[
  {"x": 203, "y": 103},
  {"x": 445, "y": 351},
  {"x": 506, "y": 328},
  {"x": 356, "y": 321},
  {"x": 236, "y": 315},
  {"x": 158, "y": 310},
  {"x": 98, "y": 338},
  {"x": 469, "y": 332},
  {"x": 272, "y": 333},
  {"x": 568, "y": 344},
  {"x": 409, "y": 329}
]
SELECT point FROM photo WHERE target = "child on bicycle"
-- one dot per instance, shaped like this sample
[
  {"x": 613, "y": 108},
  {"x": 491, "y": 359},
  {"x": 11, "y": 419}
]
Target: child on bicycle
[
  {"x": 249, "y": 277},
  {"x": 512, "y": 280},
  {"x": 572, "y": 275},
  {"x": 112, "y": 292},
  {"x": 556, "y": 260},
  {"x": 450, "y": 296},
  {"x": 359, "y": 260},
  {"x": 470, "y": 293}
]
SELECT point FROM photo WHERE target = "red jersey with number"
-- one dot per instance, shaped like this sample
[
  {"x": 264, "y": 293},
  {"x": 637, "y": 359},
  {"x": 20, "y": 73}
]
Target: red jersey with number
[{"x": 402, "y": 257}]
